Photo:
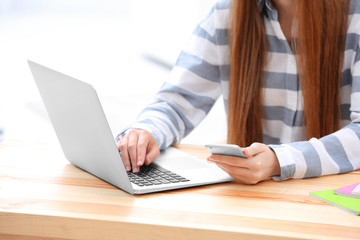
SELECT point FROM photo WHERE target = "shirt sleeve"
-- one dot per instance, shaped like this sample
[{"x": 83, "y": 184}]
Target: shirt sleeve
[
  {"x": 192, "y": 88},
  {"x": 336, "y": 153}
]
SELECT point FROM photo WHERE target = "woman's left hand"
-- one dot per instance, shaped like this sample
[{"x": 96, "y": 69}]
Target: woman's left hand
[{"x": 261, "y": 164}]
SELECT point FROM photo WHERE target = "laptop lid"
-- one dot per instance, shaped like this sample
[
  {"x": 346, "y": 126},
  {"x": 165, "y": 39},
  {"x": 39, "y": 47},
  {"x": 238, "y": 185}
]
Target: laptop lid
[{"x": 80, "y": 125}]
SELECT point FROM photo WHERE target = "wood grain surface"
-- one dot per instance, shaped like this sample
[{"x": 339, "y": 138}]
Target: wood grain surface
[{"x": 43, "y": 196}]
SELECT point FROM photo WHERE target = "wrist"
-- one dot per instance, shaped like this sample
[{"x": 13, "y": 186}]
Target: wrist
[{"x": 276, "y": 170}]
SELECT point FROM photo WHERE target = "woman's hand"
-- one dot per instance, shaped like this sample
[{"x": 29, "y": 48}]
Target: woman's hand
[
  {"x": 137, "y": 147},
  {"x": 261, "y": 164}
]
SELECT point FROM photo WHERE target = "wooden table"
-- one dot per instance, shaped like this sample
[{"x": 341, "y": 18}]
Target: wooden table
[{"x": 43, "y": 196}]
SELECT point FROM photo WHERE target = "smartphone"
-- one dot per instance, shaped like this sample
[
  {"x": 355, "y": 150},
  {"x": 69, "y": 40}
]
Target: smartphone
[{"x": 226, "y": 149}]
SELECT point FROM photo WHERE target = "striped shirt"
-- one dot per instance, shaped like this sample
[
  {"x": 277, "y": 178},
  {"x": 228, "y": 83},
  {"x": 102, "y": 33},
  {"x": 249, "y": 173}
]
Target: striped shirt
[{"x": 201, "y": 75}]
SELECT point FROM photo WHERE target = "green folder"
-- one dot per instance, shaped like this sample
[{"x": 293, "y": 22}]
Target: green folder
[{"x": 349, "y": 204}]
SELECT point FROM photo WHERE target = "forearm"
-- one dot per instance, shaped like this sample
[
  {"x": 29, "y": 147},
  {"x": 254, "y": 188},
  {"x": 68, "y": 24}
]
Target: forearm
[{"x": 335, "y": 153}]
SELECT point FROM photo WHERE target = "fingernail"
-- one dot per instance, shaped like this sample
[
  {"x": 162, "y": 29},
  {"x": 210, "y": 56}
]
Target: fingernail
[
  {"x": 139, "y": 163},
  {"x": 128, "y": 168},
  {"x": 135, "y": 169}
]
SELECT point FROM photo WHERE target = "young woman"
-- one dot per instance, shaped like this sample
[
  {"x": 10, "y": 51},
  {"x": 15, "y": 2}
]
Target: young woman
[{"x": 289, "y": 72}]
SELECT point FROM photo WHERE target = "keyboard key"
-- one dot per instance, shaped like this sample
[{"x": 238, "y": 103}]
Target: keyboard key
[
  {"x": 184, "y": 180},
  {"x": 156, "y": 182},
  {"x": 165, "y": 181}
]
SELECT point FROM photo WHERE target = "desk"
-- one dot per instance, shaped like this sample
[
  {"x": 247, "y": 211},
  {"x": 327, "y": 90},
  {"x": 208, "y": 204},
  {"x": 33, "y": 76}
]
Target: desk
[{"x": 43, "y": 196}]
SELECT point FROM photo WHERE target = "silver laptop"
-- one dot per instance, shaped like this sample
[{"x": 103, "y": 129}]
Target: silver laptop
[{"x": 86, "y": 139}]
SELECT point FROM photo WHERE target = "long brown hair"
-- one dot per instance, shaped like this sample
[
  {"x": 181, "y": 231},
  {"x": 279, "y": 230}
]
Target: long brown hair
[{"x": 319, "y": 43}]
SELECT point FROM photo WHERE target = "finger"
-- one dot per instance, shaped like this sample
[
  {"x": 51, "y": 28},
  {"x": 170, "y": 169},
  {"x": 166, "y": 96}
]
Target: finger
[
  {"x": 123, "y": 148},
  {"x": 132, "y": 148},
  {"x": 254, "y": 149},
  {"x": 152, "y": 154},
  {"x": 229, "y": 160},
  {"x": 242, "y": 175},
  {"x": 142, "y": 144},
  {"x": 118, "y": 144},
  {"x": 253, "y": 164}
]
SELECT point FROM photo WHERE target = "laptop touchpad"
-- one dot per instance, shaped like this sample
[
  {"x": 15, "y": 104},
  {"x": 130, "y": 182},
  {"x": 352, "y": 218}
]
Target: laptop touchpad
[{"x": 179, "y": 160}]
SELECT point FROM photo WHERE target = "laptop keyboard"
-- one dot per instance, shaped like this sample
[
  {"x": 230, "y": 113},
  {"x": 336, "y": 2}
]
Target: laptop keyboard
[{"x": 154, "y": 175}]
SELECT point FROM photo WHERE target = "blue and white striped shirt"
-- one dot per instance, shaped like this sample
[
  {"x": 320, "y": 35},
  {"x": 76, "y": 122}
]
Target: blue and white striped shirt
[{"x": 201, "y": 75}]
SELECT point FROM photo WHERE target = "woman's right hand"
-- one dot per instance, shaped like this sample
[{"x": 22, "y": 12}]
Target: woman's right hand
[{"x": 137, "y": 147}]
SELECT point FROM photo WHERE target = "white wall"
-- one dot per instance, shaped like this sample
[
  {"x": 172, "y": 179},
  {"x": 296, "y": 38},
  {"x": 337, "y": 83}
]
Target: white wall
[{"x": 101, "y": 42}]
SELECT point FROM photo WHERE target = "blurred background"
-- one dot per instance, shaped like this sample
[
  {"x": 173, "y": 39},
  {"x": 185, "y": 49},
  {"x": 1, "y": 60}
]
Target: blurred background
[{"x": 124, "y": 48}]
